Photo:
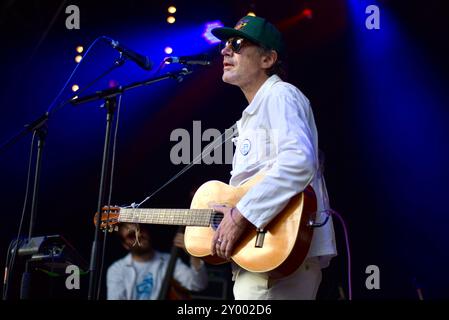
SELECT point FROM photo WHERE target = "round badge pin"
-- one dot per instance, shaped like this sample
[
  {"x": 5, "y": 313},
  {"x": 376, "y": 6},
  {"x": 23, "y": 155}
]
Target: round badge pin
[{"x": 245, "y": 147}]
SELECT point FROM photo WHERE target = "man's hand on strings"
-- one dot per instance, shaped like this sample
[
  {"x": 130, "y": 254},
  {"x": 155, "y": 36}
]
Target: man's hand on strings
[{"x": 230, "y": 230}]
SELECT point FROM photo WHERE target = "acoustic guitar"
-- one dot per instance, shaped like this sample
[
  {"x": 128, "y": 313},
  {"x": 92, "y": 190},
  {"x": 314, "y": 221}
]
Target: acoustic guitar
[{"x": 278, "y": 249}]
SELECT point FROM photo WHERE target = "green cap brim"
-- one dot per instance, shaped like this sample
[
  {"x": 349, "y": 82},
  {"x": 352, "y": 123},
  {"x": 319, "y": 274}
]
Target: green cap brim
[{"x": 224, "y": 33}]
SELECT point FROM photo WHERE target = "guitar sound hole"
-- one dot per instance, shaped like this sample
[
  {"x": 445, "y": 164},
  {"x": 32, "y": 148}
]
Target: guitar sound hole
[{"x": 216, "y": 219}]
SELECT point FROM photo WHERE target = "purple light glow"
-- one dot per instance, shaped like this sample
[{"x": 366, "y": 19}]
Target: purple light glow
[{"x": 207, "y": 35}]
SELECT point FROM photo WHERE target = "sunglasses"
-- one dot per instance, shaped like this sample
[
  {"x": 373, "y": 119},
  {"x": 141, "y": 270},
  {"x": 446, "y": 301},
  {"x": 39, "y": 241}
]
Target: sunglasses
[{"x": 235, "y": 44}]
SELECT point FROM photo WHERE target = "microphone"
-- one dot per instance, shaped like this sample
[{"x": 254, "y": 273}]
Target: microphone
[
  {"x": 142, "y": 61},
  {"x": 200, "y": 59}
]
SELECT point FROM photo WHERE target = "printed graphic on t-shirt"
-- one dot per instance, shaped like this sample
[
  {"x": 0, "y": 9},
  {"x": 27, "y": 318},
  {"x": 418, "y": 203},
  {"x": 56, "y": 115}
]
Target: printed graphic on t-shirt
[{"x": 145, "y": 287}]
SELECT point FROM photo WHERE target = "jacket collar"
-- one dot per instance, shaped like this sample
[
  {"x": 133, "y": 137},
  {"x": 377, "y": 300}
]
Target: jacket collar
[{"x": 254, "y": 105}]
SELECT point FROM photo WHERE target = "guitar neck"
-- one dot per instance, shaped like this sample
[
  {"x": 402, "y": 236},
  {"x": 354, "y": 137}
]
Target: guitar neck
[{"x": 179, "y": 217}]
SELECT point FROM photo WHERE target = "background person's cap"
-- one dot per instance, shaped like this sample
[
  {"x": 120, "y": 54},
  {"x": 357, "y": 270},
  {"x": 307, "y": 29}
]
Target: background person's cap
[{"x": 255, "y": 29}]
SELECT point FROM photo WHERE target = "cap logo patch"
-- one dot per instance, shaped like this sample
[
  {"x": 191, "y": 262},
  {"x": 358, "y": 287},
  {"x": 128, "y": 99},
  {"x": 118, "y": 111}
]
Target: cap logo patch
[{"x": 241, "y": 24}]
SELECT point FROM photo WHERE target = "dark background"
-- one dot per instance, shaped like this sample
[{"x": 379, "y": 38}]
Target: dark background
[{"x": 379, "y": 97}]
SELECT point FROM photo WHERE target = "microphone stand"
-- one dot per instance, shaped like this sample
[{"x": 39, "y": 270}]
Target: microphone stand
[
  {"x": 110, "y": 96},
  {"x": 39, "y": 127}
]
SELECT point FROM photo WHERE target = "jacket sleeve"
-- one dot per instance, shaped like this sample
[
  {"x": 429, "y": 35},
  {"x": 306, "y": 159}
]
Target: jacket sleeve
[
  {"x": 189, "y": 278},
  {"x": 287, "y": 114},
  {"x": 115, "y": 283}
]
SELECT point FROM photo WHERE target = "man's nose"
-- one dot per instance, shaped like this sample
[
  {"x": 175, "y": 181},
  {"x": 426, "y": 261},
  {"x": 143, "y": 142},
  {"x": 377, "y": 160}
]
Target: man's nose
[{"x": 226, "y": 51}]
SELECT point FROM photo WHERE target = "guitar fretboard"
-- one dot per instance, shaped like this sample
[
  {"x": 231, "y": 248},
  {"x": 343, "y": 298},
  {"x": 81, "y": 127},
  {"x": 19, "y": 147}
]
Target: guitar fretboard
[{"x": 180, "y": 217}]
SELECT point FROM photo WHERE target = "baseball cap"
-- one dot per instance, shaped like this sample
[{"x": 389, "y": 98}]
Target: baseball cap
[{"x": 255, "y": 29}]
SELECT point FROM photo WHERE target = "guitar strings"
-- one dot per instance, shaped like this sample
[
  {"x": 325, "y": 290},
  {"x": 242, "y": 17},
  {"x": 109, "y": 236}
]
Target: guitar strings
[{"x": 203, "y": 217}]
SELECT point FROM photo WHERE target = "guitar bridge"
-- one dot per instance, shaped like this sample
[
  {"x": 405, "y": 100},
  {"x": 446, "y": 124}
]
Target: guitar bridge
[{"x": 260, "y": 236}]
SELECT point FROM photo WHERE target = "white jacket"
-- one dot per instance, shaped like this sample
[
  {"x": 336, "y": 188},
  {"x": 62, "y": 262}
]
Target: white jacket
[{"x": 277, "y": 134}]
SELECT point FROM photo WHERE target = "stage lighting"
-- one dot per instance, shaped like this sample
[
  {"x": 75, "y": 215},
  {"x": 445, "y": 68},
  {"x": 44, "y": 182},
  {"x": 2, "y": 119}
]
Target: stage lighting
[
  {"x": 207, "y": 35},
  {"x": 75, "y": 88},
  {"x": 307, "y": 13},
  {"x": 112, "y": 83},
  {"x": 79, "y": 49},
  {"x": 171, "y": 19},
  {"x": 78, "y": 58},
  {"x": 171, "y": 9},
  {"x": 168, "y": 50}
]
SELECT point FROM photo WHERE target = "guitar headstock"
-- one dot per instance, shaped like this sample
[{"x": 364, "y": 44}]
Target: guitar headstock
[{"x": 109, "y": 218}]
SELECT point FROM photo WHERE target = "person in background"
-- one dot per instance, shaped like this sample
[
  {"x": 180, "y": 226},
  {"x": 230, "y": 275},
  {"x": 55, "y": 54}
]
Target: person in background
[{"x": 140, "y": 274}]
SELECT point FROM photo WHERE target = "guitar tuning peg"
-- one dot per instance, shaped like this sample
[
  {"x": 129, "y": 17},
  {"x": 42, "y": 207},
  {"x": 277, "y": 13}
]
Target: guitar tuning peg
[
  {"x": 116, "y": 228},
  {"x": 111, "y": 228}
]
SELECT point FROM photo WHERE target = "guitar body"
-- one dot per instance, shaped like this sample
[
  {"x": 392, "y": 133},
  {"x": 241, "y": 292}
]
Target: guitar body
[{"x": 286, "y": 239}]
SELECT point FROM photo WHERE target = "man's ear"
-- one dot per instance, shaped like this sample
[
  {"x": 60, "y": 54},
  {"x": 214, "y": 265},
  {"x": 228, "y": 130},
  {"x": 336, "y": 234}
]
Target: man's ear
[{"x": 269, "y": 59}]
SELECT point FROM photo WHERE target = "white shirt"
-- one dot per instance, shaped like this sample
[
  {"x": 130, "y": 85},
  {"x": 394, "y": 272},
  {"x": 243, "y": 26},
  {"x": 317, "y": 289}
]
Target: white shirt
[
  {"x": 131, "y": 280},
  {"x": 277, "y": 134}
]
